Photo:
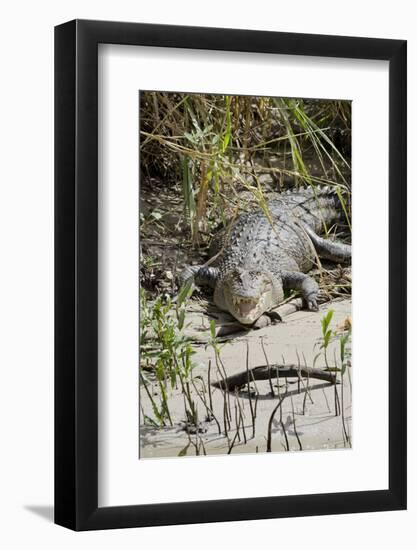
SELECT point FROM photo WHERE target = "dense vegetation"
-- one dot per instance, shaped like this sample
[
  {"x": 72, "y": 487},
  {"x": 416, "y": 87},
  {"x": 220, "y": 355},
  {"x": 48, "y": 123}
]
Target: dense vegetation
[{"x": 204, "y": 158}]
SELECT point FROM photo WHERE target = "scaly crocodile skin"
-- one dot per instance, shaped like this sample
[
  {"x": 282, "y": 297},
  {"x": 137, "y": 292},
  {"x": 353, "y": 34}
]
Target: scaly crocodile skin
[{"x": 257, "y": 260}]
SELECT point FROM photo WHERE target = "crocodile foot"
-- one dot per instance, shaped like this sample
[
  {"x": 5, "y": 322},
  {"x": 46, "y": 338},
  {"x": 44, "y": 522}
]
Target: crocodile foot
[{"x": 267, "y": 319}]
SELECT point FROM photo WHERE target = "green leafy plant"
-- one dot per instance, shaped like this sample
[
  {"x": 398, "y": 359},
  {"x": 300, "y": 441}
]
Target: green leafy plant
[
  {"x": 166, "y": 354},
  {"x": 328, "y": 336}
]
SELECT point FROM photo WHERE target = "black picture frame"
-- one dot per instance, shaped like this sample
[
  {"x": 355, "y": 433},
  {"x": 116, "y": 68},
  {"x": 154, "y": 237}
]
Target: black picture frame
[{"x": 76, "y": 271}]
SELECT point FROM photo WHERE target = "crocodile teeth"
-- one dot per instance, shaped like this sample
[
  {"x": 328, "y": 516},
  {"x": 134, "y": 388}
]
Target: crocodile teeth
[
  {"x": 245, "y": 306},
  {"x": 238, "y": 300}
]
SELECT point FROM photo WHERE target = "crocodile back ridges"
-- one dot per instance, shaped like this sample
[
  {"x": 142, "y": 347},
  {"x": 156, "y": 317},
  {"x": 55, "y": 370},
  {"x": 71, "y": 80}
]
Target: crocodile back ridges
[
  {"x": 252, "y": 242},
  {"x": 317, "y": 208}
]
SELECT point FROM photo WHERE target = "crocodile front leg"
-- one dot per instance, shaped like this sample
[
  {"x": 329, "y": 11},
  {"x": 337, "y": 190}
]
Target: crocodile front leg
[
  {"x": 203, "y": 275},
  {"x": 305, "y": 284}
]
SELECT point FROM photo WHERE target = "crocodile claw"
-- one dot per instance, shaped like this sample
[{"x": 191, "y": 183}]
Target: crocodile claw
[{"x": 312, "y": 304}]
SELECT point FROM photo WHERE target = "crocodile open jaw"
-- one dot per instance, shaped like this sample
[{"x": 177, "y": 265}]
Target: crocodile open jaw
[{"x": 247, "y": 310}]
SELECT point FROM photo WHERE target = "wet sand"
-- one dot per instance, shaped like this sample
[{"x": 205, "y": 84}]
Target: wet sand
[{"x": 306, "y": 419}]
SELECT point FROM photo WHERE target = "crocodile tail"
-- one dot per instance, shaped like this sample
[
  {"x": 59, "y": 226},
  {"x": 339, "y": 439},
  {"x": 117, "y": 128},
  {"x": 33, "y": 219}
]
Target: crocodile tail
[
  {"x": 319, "y": 190},
  {"x": 319, "y": 206},
  {"x": 331, "y": 203}
]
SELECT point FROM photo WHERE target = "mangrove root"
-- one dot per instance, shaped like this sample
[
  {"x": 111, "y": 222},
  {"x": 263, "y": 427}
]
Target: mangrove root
[{"x": 265, "y": 372}]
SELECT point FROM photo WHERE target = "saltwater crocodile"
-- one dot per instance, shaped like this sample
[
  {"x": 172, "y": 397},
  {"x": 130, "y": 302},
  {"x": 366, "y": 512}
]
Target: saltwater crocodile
[{"x": 264, "y": 252}]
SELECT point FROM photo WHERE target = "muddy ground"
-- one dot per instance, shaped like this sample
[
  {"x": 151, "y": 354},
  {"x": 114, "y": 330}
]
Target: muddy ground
[{"x": 313, "y": 414}]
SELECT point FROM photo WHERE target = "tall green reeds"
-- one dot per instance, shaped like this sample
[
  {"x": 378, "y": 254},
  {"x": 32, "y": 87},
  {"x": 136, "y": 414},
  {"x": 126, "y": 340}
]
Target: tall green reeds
[{"x": 216, "y": 145}]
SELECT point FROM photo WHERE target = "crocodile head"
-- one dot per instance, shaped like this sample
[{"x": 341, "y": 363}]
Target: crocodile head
[{"x": 248, "y": 293}]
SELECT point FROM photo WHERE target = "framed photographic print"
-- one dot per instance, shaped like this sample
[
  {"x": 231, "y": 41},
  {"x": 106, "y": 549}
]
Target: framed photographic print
[{"x": 230, "y": 275}]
